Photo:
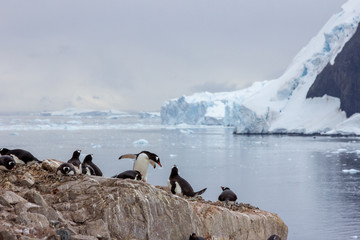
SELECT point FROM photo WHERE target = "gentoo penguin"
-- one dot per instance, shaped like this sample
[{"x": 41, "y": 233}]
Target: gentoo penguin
[
  {"x": 74, "y": 160},
  {"x": 227, "y": 195},
  {"x": 194, "y": 237},
  {"x": 7, "y": 162},
  {"x": 87, "y": 169},
  {"x": 66, "y": 169},
  {"x": 132, "y": 174},
  {"x": 88, "y": 161},
  {"x": 20, "y": 156},
  {"x": 142, "y": 161},
  {"x": 178, "y": 185}
]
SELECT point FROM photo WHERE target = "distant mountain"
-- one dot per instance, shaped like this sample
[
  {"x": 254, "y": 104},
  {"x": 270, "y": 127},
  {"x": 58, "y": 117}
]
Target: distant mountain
[
  {"x": 342, "y": 79},
  {"x": 317, "y": 94}
]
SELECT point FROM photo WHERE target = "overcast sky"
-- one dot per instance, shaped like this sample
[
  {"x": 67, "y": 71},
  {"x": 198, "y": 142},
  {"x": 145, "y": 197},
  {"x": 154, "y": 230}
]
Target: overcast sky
[{"x": 136, "y": 54}]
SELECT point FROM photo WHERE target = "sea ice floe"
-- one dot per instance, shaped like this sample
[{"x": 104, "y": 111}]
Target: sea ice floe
[
  {"x": 351, "y": 171},
  {"x": 141, "y": 142}
]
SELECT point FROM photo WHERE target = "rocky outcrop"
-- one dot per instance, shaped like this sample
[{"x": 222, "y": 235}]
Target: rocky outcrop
[
  {"x": 36, "y": 204},
  {"x": 342, "y": 79}
]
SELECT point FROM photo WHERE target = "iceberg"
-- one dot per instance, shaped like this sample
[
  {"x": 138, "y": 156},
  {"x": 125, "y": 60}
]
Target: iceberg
[{"x": 280, "y": 106}]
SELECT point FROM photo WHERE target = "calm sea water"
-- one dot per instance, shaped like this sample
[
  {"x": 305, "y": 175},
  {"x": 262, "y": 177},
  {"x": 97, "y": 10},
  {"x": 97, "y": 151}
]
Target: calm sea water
[{"x": 305, "y": 180}]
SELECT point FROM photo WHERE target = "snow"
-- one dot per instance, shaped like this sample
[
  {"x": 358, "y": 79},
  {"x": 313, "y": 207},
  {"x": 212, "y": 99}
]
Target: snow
[{"x": 279, "y": 105}]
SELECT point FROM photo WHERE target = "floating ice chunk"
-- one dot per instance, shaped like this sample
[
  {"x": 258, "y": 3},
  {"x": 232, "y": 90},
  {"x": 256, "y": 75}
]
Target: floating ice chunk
[
  {"x": 95, "y": 146},
  {"x": 173, "y": 155},
  {"x": 186, "y": 131},
  {"x": 141, "y": 142},
  {"x": 14, "y": 134},
  {"x": 355, "y": 237},
  {"x": 341, "y": 150},
  {"x": 351, "y": 171}
]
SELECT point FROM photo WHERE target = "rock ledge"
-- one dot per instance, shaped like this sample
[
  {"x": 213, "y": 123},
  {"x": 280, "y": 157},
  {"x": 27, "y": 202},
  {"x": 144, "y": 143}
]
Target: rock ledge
[{"x": 35, "y": 204}]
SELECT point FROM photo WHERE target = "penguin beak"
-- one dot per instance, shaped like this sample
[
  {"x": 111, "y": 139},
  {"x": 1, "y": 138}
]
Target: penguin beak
[{"x": 159, "y": 164}]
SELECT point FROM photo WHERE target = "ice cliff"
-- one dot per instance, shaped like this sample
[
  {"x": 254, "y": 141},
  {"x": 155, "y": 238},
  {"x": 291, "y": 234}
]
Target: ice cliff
[
  {"x": 280, "y": 105},
  {"x": 35, "y": 204}
]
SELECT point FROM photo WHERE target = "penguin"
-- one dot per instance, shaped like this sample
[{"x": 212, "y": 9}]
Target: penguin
[
  {"x": 88, "y": 161},
  {"x": 227, "y": 195},
  {"x": 142, "y": 161},
  {"x": 66, "y": 169},
  {"x": 20, "y": 156},
  {"x": 87, "y": 169},
  {"x": 132, "y": 174},
  {"x": 7, "y": 162},
  {"x": 194, "y": 237},
  {"x": 178, "y": 185},
  {"x": 74, "y": 160},
  {"x": 274, "y": 237}
]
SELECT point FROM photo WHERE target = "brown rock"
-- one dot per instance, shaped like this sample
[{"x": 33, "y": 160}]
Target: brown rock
[
  {"x": 35, "y": 197},
  {"x": 9, "y": 198},
  {"x": 32, "y": 220},
  {"x": 98, "y": 229}
]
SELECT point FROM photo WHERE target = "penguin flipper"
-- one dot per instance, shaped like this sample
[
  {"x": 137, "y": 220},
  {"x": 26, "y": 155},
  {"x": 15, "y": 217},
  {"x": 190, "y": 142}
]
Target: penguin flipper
[
  {"x": 200, "y": 192},
  {"x": 131, "y": 156}
]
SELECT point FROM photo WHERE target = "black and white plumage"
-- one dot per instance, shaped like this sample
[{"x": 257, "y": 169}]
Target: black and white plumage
[
  {"x": 142, "y": 162},
  {"x": 227, "y": 195},
  {"x": 194, "y": 237},
  {"x": 131, "y": 174},
  {"x": 20, "y": 156},
  {"x": 66, "y": 169},
  {"x": 88, "y": 161},
  {"x": 7, "y": 162},
  {"x": 87, "y": 169},
  {"x": 75, "y": 159},
  {"x": 179, "y": 185}
]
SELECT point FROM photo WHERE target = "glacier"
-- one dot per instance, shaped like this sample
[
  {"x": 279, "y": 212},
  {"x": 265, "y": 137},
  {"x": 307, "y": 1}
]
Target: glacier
[{"x": 279, "y": 106}]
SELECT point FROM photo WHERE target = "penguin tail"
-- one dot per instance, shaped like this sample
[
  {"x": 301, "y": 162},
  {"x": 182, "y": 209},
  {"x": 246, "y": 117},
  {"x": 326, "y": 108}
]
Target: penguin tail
[
  {"x": 200, "y": 192},
  {"x": 37, "y": 160}
]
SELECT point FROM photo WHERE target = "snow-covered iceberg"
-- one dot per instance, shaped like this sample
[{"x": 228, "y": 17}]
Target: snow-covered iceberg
[{"x": 280, "y": 105}]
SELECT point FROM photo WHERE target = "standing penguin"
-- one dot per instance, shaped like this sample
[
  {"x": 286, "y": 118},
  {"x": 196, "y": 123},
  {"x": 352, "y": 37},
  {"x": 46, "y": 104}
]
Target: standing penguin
[
  {"x": 20, "y": 156},
  {"x": 178, "y": 185},
  {"x": 66, "y": 169},
  {"x": 142, "y": 161},
  {"x": 7, "y": 162},
  {"x": 227, "y": 195},
  {"x": 88, "y": 161},
  {"x": 132, "y": 174},
  {"x": 74, "y": 160}
]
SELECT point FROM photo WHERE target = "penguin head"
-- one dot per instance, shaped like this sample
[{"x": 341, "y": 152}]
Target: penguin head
[
  {"x": 9, "y": 162},
  {"x": 88, "y": 158},
  {"x": 224, "y": 188},
  {"x": 152, "y": 157},
  {"x": 174, "y": 171},
  {"x": 4, "y": 151},
  {"x": 76, "y": 154},
  {"x": 138, "y": 176},
  {"x": 193, "y": 236},
  {"x": 66, "y": 170}
]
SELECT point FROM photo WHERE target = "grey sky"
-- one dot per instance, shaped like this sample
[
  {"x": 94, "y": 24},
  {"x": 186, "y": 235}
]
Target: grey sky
[{"x": 136, "y": 54}]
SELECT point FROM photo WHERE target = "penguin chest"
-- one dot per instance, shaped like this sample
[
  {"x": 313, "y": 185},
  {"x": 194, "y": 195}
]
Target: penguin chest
[
  {"x": 175, "y": 187},
  {"x": 17, "y": 160},
  {"x": 141, "y": 165}
]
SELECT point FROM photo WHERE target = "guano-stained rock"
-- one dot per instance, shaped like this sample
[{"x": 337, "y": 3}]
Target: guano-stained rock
[{"x": 87, "y": 207}]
